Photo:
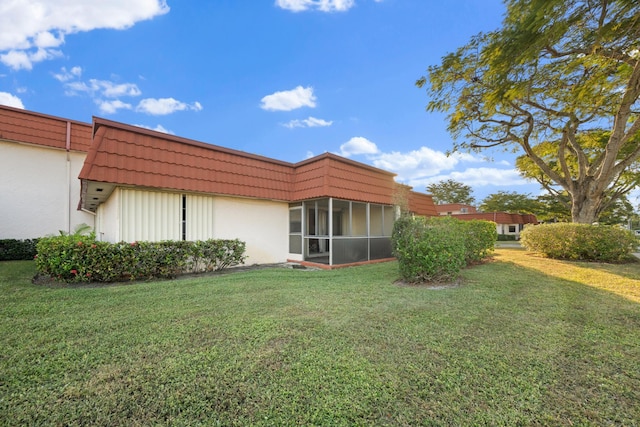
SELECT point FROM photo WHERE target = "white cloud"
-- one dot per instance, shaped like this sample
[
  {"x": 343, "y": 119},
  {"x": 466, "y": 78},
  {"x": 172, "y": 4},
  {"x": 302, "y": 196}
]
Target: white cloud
[
  {"x": 158, "y": 128},
  {"x": 163, "y": 106},
  {"x": 106, "y": 94},
  {"x": 310, "y": 122},
  {"x": 65, "y": 76},
  {"x": 104, "y": 88},
  {"x": 477, "y": 177},
  {"x": 358, "y": 145},
  {"x": 112, "y": 106},
  {"x": 417, "y": 163},
  {"x": 321, "y": 5},
  {"x": 10, "y": 100},
  {"x": 424, "y": 166},
  {"x": 18, "y": 59},
  {"x": 31, "y": 29},
  {"x": 288, "y": 100}
]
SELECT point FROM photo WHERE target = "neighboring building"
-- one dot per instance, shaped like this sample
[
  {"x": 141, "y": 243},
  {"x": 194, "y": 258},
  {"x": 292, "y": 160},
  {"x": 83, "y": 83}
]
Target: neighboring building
[
  {"x": 508, "y": 224},
  {"x": 136, "y": 184},
  {"x": 454, "y": 209},
  {"x": 40, "y": 159}
]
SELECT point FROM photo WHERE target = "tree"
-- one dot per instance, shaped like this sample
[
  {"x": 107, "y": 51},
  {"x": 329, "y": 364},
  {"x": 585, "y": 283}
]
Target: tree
[
  {"x": 554, "y": 208},
  {"x": 451, "y": 191},
  {"x": 511, "y": 202},
  {"x": 618, "y": 213},
  {"x": 593, "y": 143},
  {"x": 557, "y": 208},
  {"x": 556, "y": 71}
]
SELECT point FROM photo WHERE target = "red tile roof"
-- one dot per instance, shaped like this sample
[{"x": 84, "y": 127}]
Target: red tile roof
[
  {"x": 329, "y": 175},
  {"x": 422, "y": 204},
  {"x": 40, "y": 129},
  {"x": 127, "y": 155},
  {"x": 120, "y": 154},
  {"x": 499, "y": 217},
  {"x": 449, "y": 207}
]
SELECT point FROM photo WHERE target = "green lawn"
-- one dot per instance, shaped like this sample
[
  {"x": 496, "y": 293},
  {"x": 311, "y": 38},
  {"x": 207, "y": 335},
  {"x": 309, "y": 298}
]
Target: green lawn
[{"x": 524, "y": 341}]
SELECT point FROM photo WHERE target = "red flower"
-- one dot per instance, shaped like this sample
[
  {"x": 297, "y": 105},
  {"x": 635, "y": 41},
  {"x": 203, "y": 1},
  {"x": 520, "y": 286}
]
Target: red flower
[
  {"x": 35, "y": 256},
  {"x": 88, "y": 274},
  {"x": 93, "y": 246},
  {"x": 74, "y": 272},
  {"x": 133, "y": 243},
  {"x": 79, "y": 243}
]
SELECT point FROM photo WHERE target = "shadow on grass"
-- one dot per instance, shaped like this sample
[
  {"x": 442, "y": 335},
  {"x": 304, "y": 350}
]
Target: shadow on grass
[{"x": 620, "y": 279}]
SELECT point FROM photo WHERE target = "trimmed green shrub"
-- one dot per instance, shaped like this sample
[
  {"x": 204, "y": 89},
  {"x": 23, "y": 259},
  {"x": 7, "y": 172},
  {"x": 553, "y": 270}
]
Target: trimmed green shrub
[
  {"x": 479, "y": 239},
  {"x": 437, "y": 248},
  {"x": 479, "y": 236},
  {"x": 427, "y": 251},
  {"x": 579, "y": 241},
  {"x": 506, "y": 237},
  {"x": 75, "y": 258},
  {"x": 17, "y": 250}
]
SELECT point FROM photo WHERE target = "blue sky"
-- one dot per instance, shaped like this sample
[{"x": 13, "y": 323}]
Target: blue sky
[{"x": 287, "y": 79}]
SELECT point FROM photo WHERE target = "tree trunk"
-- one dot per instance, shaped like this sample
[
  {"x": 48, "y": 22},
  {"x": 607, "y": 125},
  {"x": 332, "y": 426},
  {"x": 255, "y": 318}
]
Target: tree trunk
[{"x": 585, "y": 208}]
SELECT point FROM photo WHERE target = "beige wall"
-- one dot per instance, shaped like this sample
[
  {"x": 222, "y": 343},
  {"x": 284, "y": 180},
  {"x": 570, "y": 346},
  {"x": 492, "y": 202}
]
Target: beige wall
[
  {"x": 263, "y": 225},
  {"x": 108, "y": 219},
  {"x": 39, "y": 191},
  {"x": 139, "y": 215}
]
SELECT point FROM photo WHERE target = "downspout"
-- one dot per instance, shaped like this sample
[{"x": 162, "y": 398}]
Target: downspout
[{"x": 68, "y": 196}]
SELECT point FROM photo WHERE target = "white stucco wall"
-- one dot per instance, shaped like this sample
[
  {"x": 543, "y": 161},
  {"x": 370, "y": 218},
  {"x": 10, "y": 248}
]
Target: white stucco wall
[
  {"x": 39, "y": 191},
  {"x": 263, "y": 225},
  {"x": 136, "y": 215},
  {"x": 108, "y": 219}
]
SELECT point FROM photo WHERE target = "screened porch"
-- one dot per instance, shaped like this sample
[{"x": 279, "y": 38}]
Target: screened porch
[{"x": 332, "y": 231}]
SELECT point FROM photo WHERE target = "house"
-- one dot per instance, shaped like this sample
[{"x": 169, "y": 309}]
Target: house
[
  {"x": 508, "y": 224},
  {"x": 455, "y": 209},
  {"x": 134, "y": 184}
]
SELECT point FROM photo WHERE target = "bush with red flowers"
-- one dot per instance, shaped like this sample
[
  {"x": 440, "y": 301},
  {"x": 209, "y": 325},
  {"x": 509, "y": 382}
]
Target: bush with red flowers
[{"x": 76, "y": 258}]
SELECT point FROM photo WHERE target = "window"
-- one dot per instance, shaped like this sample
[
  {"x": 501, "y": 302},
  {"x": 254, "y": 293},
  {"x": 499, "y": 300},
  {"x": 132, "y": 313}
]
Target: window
[
  {"x": 184, "y": 218},
  {"x": 512, "y": 229},
  {"x": 463, "y": 210},
  {"x": 295, "y": 220},
  {"x": 295, "y": 230}
]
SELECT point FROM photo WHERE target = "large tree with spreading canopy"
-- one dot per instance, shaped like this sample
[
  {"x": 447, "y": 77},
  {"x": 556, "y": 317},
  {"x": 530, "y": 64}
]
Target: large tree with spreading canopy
[{"x": 557, "y": 72}]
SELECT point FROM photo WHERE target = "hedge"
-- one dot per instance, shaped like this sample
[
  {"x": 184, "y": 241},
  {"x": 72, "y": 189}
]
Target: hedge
[
  {"x": 436, "y": 249},
  {"x": 16, "y": 250},
  {"x": 573, "y": 241},
  {"x": 74, "y": 258}
]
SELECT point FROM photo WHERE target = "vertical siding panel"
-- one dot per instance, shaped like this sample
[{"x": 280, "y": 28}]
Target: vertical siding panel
[
  {"x": 199, "y": 217},
  {"x": 150, "y": 216}
]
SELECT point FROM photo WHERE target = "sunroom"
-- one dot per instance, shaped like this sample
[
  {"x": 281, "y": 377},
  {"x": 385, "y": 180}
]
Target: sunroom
[{"x": 333, "y": 232}]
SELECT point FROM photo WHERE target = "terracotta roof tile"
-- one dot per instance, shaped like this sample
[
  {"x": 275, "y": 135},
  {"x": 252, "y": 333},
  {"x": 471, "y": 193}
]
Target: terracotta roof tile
[
  {"x": 40, "y": 129},
  {"x": 422, "y": 204},
  {"x": 448, "y": 207},
  {"x": 126, "y": 155},
  {"x": 499, "y": 217}
]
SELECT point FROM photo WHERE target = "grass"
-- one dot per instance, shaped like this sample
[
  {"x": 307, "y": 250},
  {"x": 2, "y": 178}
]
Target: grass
[{"x": 525, "y": 341}]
